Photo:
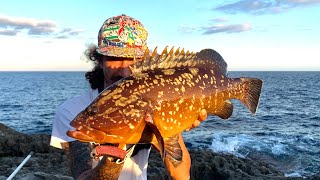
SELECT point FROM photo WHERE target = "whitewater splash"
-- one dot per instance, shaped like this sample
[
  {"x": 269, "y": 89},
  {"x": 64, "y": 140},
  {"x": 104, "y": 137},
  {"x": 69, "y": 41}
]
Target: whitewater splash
[{"x": 279, "y": 150}]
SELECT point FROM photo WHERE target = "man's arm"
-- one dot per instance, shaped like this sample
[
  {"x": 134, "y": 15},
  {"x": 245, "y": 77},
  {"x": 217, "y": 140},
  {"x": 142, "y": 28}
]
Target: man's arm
[
  {"x": 79, "y": 159},
  {"x": 80, "y": 162},
  {"x": 182, "y": 171}
]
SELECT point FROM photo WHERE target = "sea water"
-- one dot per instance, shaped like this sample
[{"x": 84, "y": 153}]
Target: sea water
[{"x": 285, "y": 131}]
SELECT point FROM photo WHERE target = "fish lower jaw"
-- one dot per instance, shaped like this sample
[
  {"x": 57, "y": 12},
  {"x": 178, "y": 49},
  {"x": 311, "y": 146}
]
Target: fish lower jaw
[{"x": 80, "y": 136}]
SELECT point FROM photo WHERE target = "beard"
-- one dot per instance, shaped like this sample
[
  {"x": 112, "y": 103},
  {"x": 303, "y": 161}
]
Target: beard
[{"x": 116, "y": 78}]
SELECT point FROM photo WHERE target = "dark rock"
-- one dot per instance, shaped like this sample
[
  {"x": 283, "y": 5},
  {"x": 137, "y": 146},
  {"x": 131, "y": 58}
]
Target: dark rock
[
  {"x": 13, "y": 143},
  {"x": 50, "y": 163}
]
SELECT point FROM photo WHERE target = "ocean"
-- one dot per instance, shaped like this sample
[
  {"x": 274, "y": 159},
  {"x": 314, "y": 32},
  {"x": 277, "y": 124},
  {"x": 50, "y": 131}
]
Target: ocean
[{"x": 284, "y": 132}]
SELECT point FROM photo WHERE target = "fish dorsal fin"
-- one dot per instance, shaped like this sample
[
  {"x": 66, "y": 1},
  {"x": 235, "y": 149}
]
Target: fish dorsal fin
[
  {"x": 210, "y": 56},
  {"x": 180, "y": 58}
]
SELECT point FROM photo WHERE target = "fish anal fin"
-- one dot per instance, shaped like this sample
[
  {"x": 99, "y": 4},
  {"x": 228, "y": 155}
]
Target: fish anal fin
[
  {"x": 223, "y": 110},
  {"x": 173, "y": 150}
]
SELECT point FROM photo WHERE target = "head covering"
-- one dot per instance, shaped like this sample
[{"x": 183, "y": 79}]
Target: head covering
[{"x": 122, "y": 36}]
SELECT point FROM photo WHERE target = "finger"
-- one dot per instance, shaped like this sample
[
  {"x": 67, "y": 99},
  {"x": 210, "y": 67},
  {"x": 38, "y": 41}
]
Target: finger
[
  {"x": 196, "y": 123},
  {"x": 202, "y": 115}
]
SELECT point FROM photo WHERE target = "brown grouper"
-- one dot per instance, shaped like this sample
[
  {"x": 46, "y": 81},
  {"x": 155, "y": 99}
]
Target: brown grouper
[{"x": 162, "y": 98}]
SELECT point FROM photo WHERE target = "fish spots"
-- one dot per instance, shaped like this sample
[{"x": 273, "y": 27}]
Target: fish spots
[
  {"x": 110, "y": 110},
  {"x": 124, "y": 101},
  {"x": 183, "y": 89},
  {"x": 131, "y": 126},
  {"x": 168, "y": 71},
  {"x": 191, "y": 107},
  {"x": 190, "y": 84},
  {"x": 141, "y": 76},
  {"x": 116, "y": 96},
  {"x": 155, "y": 81},
  {"x": 141, "y": 87},
  {"x": 131, "y": 112},
  {"x": 187, "y": 76},
  {"x": 106, "y": 92},
  {"x": 162, "y": 81},
  {"x": 175, "y": 95},
  {"x": 212, "y": 80},
  {"x": 121, "y": 102},
  {"x": 194, "y": 71},
  {"x": 158, "y": 76},
  {"x": 158, "y": 107},
  {"x": 160, "y": 94},
  {"x": 113, "y": 136},
  {"x": 142, "y": 103},
  {"x": 176, "y": 81}
]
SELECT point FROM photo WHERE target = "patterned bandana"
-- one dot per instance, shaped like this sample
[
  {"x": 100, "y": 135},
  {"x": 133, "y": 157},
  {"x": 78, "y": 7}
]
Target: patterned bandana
[{"x": 122, "y": 36}]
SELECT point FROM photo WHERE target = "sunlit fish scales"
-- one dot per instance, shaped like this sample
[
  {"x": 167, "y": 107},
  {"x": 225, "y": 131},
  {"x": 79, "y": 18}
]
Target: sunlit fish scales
[{"x": 162, "y": 98}]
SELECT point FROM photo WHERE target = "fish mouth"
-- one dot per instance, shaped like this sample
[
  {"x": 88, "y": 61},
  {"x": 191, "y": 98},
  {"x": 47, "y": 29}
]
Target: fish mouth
[{"x": 87, "y": 134}]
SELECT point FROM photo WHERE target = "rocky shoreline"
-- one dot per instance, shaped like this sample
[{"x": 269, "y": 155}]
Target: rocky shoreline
[{"x": 50, "y": 163}]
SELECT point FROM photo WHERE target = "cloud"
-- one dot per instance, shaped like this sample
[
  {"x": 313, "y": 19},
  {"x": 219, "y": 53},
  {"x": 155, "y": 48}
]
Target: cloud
[
  {"x": 71, "y": 31},
  {"x": 215, "y": 28},
  {"x": 8, "y": 32},
  {"x": 219, "y": 20},
  {"x": 264, "y": 6},
  {"x": 33, "y": 26},
  {"x": 221, "y": 28},
  {"x": 12, "y": 26},
  {"x": 187, "y": 28}
]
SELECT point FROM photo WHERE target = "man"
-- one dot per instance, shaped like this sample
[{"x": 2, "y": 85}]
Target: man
[{"x": 120, "y": 40}]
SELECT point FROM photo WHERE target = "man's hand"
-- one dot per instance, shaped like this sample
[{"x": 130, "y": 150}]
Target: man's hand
[{"x": 201, "y": 117}]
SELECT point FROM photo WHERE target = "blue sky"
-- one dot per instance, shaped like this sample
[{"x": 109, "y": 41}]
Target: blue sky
[{"x": 250, "y": 35}]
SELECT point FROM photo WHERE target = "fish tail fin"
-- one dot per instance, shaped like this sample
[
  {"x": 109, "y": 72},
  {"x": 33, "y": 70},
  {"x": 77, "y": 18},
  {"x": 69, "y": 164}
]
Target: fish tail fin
[{"x": 251, "y": 93}]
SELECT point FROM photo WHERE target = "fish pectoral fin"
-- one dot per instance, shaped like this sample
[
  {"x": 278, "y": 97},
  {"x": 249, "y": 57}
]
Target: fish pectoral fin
[
  {"x": 173, "y": 150},
  {"x": 224, "y": 110},
  {"x": 159, "y": 138},
  {"x": 168, "y": 147}
]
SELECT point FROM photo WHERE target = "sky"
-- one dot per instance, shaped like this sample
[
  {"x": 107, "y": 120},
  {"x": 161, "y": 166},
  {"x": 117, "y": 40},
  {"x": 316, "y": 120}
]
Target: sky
[{"x": 251, "y": 35}]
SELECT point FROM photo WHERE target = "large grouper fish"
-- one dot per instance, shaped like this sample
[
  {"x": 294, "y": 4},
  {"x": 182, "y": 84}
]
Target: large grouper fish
[{"x": 162, "y": 98}]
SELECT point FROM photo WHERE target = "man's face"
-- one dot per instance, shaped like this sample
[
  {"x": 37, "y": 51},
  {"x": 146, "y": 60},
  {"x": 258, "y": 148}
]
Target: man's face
[{"x": 115, "y": 68}]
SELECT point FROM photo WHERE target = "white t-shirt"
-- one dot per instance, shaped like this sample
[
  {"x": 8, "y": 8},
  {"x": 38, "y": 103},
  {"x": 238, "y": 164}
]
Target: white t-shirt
[{"x": 134, "y": 168}]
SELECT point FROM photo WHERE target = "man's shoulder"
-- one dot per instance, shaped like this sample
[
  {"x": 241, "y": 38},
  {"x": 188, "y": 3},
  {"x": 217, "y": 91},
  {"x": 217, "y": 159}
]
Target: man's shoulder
[{"x": 79, "y": 101}]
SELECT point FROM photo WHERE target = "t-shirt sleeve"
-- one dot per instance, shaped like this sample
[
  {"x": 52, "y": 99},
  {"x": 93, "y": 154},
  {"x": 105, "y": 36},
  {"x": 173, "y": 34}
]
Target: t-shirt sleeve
[{"x": 60, "y": 126}]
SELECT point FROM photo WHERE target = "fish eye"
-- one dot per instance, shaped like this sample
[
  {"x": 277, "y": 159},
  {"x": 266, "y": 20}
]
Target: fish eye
[{"x": 92, "y": 110}]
